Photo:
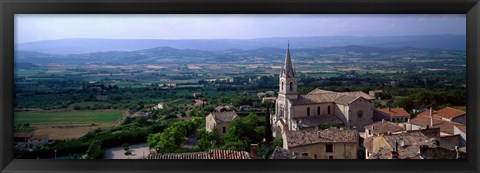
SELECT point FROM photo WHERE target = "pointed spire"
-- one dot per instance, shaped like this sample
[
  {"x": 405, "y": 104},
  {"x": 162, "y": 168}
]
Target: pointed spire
[{"x": 288, "y": 70}]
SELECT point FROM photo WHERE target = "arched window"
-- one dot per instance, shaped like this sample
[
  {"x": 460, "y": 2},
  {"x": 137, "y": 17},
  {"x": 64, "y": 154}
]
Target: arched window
[
  {"x": 281, "y": 87},
  {"x": 318, "y": 110},
  {"x": 328, "y": 110},
  {"x": 308, "y": 111},
  {"x": 291, "y": 86}
]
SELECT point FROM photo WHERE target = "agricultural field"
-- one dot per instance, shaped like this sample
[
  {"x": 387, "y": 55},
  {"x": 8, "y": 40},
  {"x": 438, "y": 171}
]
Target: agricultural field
[{"x": 68, "y": 125}]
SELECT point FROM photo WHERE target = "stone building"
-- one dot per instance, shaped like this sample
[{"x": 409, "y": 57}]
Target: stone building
[
  {"x": 219, "y": 121},
  {"x": 293, "y": 112},
  {"x": 330, "y": 143},
  {"x": 396, "y": 115}
]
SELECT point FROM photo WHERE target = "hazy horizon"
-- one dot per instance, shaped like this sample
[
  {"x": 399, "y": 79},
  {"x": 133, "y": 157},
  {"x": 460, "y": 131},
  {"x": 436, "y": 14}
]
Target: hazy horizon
[
  {"x": 73, "y": 38},
  {"x": 45, "y": 27}
]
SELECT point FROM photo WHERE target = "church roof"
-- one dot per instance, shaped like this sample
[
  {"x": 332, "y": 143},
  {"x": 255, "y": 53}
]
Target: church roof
[
  {"x": 345, "y": 99},
  {"x": 325, "y": 96},
  {"x": 313, "y": 121},
  {"x": 331, "y": 135},
  {"x": 288, "y": 70},
  {"x": 319, "y": 91}
]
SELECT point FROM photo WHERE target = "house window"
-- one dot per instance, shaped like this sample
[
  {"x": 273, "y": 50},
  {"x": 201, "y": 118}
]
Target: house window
[
  {"x": 318, "y": 110},
  {"x": 291, "y": 86},
  {"x": 360, "y": 114},
  {"x": 305, "y": 154},
  {"x": 328, "y": 110},
  {"x": 329, "y": 148},
  {"x": 308, "y": 111},
  {"x": 369, "y": 132},
  {"x": 315, "y": 156},
  {"x": 330, "y": 157},
  {"x": 281, "y": 89},
  {"x": 224, "y": 129}
]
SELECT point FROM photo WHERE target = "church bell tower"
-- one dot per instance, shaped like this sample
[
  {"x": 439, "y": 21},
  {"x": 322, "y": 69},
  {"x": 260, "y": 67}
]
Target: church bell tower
[{"x": 288, "y": 80}]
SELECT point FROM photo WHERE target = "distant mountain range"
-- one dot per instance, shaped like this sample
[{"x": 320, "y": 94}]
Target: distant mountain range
[
  {"x": 161, "y": 55},
  {"x": 86, "y": 45}
]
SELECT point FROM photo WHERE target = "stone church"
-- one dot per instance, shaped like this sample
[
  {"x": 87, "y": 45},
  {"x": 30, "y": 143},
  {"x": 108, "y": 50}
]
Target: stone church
[{"x": 294, "y": 112}]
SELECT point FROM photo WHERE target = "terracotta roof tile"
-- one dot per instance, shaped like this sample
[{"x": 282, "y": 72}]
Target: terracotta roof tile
[
  {"x": 445, "y": 126},
  {"x": 345, "y": 99},
  {"x": 411, "y": 149},
  {"x": 394, "y": 112},
  {"x": 332, "y": 135},
  {"x": 447, "y": 113},
  {"x": 211, "y": 154},
  {"x": 382, "y": 127},
  {"x": 462, "y": 128}
]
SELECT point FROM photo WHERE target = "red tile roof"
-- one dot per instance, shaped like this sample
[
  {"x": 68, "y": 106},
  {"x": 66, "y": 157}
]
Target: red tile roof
[
  {"x": 445, "y": 126},
  {"x": 212, "y": 154},
  {"x": 447, "y": 113},
  {"x": 394, "y": 112}
]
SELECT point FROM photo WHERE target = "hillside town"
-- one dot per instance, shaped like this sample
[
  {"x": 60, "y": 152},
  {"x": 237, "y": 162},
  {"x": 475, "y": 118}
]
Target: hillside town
[{"x": 341, "y": 125}]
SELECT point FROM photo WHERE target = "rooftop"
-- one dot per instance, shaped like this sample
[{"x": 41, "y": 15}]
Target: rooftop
[
  {"x": 325, "y": 96},
  {"x": 410, "y": 150},
  {"x": 220, "y": 108},
  {"x": 394, "y": 112},
  {"x": 211, "y": 154},
  {"x": 447, "y": 113},
  {"x": 445, "y": 126},
  {"x": 224, "y": 116},
  {"x": 331, "y": 135},
  {"x": 382, "y": 127}
]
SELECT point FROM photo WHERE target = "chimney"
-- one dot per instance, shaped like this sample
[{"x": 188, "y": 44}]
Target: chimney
[
  {"x": 431, "y": 117},
  {"x": 253, "y": 150},
  {"x": 383, "y": 120},
  {"x": 389, "y": 109}
]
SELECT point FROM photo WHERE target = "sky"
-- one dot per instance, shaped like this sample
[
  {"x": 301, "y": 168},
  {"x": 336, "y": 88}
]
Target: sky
[{"x": 37, "y": 27}]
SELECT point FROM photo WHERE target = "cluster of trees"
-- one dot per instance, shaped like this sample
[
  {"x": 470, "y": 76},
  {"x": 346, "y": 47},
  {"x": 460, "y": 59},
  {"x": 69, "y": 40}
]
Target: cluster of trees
[
  {"x": 173, "y": 136},
  {"x": 132, "y": 130},
  {"x": 242, "y": 133},
  {"x": 436, "y": 99}
]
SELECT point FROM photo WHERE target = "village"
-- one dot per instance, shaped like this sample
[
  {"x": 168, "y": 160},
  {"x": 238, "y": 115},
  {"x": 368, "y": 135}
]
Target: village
[
  {"x": 320, "y": 124},
  {"x": 342, "y": 125}
]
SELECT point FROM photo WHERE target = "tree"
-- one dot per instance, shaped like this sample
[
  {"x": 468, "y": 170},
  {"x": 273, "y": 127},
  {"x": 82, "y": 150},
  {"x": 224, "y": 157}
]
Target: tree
[
  {"x": 126, "y": 147},
  {"x": 268, "y": 126},
  {"x": 128, "y": 153}
]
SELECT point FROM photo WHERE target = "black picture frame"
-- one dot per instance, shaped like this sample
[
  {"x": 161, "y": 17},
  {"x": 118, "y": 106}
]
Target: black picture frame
[{"x": 8, "y": 8}]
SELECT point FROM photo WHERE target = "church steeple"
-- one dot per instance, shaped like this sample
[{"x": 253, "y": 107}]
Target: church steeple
[
  {"x": 288, "y": 70},
  {"x": 288, "y": 80}
]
